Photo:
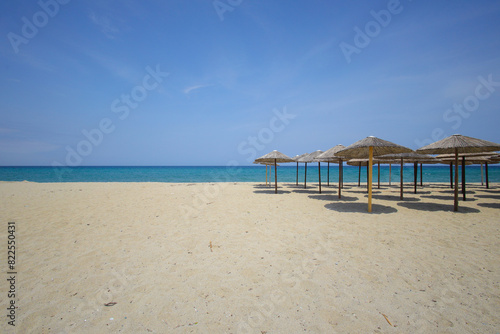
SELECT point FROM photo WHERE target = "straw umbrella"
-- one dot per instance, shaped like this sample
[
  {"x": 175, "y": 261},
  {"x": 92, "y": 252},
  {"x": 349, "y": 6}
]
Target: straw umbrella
[
  {"x": 258, "y": 163},
  {"x": 296, "y": 159},
  {"x": 311, "y": 158},
  {"x": 364, "y": 163},
  {"x": 267, "y": 164},
  {"x": 486, "y": 160},
  {"x": 433, "y": 160},
  {"x": 475, "y": 158},
  {"x": 492, "y": 160},
  {"x": 274, "y": 157},
  {"x": 358, "y": 163},
  {"x": 329, "y": 156},
  {"x": 408, "y": 157},
  {"x": 390, "y": 162},
  {"x": 459, "y": 144},
  {"x": 368, "y": 148},
  {"x": 465, "y": 161}
]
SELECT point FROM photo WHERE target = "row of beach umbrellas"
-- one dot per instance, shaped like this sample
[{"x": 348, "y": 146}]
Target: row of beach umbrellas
[{"x": 370, "y": 149}]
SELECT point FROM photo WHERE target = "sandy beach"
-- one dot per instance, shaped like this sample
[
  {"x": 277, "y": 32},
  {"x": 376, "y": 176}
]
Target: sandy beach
[{"x": 236, "y": 258}]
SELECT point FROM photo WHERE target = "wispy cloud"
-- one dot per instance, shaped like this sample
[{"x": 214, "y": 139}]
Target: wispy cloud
[
  {"x": 192, "y": 88},
  {"x": 104, "y": 23},
  {"x": 115, "y": 67}
]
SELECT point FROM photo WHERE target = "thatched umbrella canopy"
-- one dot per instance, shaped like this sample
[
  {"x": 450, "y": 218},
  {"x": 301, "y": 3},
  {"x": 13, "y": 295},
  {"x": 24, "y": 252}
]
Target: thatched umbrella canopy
[
  {"x": 409, "y": 157},
  {"x": 274, "y": 157},
  {"x": 495, "y": 158},
  {"x": 310, "y": 158},
  {"x": 459, "y": 144},
  {"x": 468, "y": 155},
  {"x": 329, "y": 156},
  {"x": 357, "y": 162},
  {"x": 296, "y": 159},
  {"x": 368, "y": 148}
]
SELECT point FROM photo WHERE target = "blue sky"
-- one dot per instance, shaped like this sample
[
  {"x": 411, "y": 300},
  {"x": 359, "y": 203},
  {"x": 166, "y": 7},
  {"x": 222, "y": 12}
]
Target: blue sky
[{"x": 205, "y": 82}]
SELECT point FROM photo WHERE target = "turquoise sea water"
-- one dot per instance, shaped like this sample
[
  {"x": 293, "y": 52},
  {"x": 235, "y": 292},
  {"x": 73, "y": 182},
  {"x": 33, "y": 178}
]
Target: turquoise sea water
[{"x": 286, "y": 173}]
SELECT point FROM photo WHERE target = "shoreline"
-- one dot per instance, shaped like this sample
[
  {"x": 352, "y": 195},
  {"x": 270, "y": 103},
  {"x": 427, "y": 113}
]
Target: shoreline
[{"x": 287, "y": 174}]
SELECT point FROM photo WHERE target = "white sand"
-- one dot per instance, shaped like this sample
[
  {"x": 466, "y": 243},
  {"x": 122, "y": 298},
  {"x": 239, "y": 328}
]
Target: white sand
[{"x": 287, "y": 263}]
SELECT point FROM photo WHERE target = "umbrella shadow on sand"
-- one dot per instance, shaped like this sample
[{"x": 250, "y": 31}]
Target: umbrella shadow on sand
[
  {"x": 439, "y": 186},
  {"x": 295, "y": 186},
  {"x": 425, "y": 206},
  {"x": 360, "y": 208},
  {"x": 420, "y": 192},
  {"x": 490, "y": 205},
  {"x": 364, "y": 191},
  {"x": 448, "y": 198},
  {"x": 395, "y": 198},
  {"x": 261, "y": 186},
  {"x": 271, "y": 191},
  {"x": 308, "y": 191},
  {"x": 450, "y": 191},
  {"x": 492, "y": 190},
  {"x": 334, "y": 197},
  {"x": 489, "y": 196}
]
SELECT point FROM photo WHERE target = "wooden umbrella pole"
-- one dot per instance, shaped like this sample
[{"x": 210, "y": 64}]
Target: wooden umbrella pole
[
  {"x": 275, "y": 178},
  {"x": 451, "y": 175},
  {"x": 367, "y": 176},
  {"x": 415, "y": 173},
  {"x": 401, "y": 181},
  {"x": 390, "y": 173},
  {"x": 341, "y": 164},
  {"x": 297, "y": 178},
  {"x": 370, "y": 165},
  {"x": 340, "y": 180},
  {"x": 319, "y": 176},
  {"x": 266, "y": 174},
  {"x": 305, "y": 177},
  {"x": 378, "y": 176},
  {"x": 455, "y": 202},
  {"x": 359, "y": 175},
  {"x": 482, "y": 183},
  {"x": 487, "y": 179},
  {"x": 463, "y": 178},
  {"x": 328, "y": 175},
  {"x": 270, "y": 176},
  {"x": 421, "y": 179}
]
